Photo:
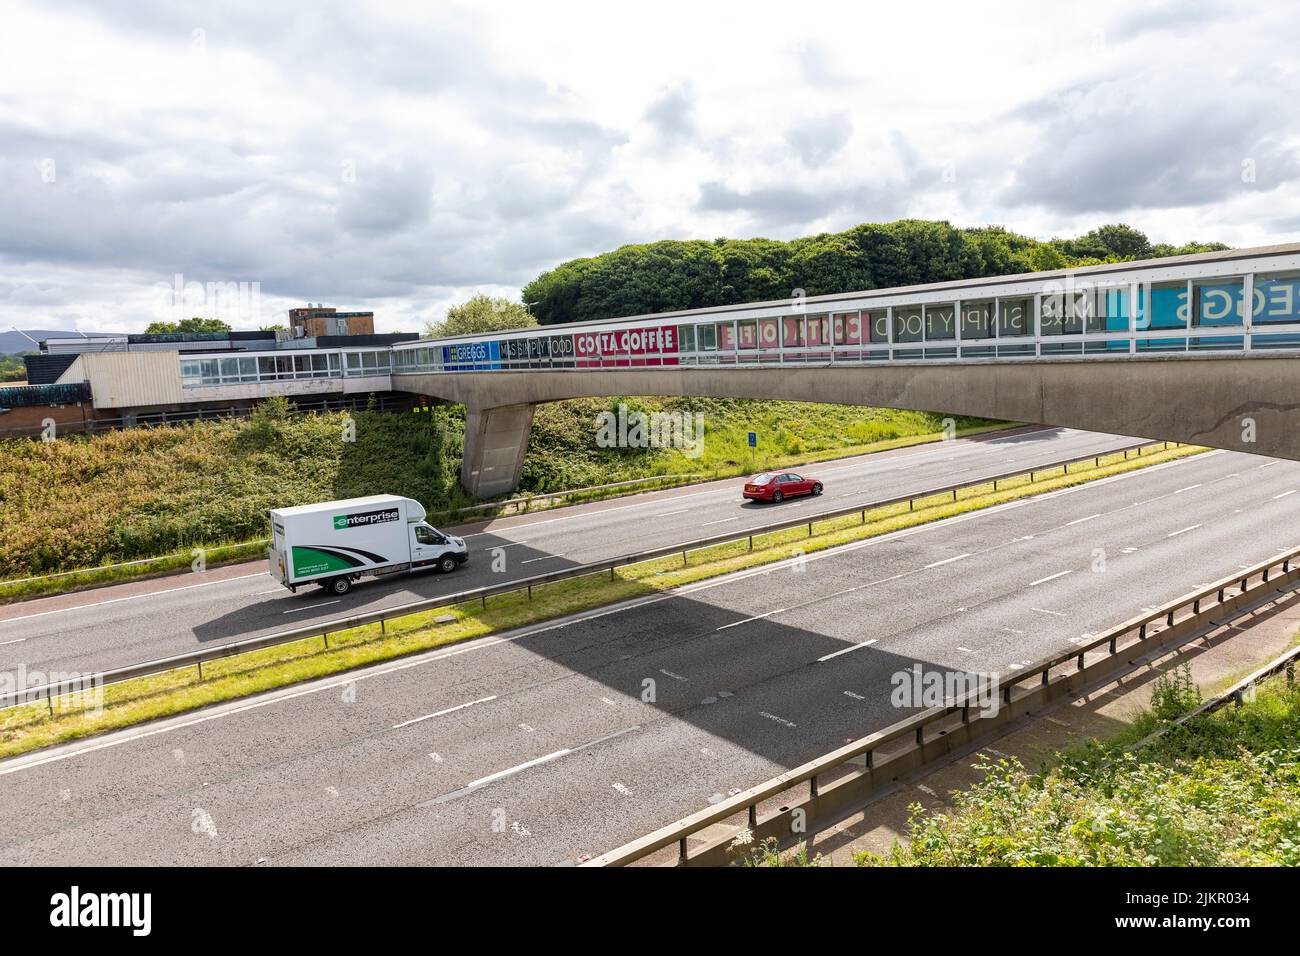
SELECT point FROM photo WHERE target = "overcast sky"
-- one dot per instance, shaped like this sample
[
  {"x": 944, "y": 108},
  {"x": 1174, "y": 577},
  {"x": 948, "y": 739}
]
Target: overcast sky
[{"x": 401, "y": 157}]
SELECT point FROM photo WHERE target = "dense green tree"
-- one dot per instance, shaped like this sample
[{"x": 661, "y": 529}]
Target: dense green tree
[
  {"x": 196, "y": 324},
  {"x": 481, "y": 313},
  {"x": 668, "y": 275}
]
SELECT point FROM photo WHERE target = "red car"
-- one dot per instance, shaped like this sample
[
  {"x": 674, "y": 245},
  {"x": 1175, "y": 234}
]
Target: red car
[{"x": 779, "y": 485}]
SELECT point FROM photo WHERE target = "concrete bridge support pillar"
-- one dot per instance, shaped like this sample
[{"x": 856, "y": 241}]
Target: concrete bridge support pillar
[{"x": 496, "y": 440}]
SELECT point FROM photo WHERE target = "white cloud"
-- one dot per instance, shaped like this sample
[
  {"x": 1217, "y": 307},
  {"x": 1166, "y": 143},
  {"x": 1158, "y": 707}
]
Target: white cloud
[{"x": 405, "y": 157}]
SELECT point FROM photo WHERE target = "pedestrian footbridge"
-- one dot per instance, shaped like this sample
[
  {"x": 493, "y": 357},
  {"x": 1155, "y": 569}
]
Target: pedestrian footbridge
[{"x": 1198, "y": 349}]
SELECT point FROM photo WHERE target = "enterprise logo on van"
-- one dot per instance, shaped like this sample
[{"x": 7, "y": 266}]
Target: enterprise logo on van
[{"x": 364, "y": 518}]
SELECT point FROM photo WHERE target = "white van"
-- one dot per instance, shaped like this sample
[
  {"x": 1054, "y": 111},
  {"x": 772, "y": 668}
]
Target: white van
[{"x": 335, "y": 542}]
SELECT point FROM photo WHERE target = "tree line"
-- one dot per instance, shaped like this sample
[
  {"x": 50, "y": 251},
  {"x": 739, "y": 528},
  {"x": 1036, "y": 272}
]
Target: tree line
[{"x": 672, "y": 274}]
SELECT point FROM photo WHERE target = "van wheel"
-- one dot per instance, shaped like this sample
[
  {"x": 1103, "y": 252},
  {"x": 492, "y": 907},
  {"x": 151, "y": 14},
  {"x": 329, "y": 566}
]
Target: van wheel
[
  {"x": 446, "y": 564},
  {"x": 340, "y": 585},
  {"x": 777, "y": 497}
]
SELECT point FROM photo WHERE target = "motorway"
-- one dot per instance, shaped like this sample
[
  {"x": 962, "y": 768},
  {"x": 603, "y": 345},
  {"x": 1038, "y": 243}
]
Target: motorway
[
  {"x": 543, "y": 745},
  {"x": 130, "y": 623}
]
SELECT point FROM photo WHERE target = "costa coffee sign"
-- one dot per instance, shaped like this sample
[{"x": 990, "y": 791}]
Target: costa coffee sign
[{"x": 625, "y": 346}]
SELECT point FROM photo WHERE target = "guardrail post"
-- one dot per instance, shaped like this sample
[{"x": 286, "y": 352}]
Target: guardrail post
[
  {"x": 1266, "y": 575},
  {"x": 1169, "y": 619},
  {"x": 1290, "y": 672},
  {"x": 810, "y": 529},
  {"x": 1112, "y": 644},
  {"x": 681, "y": 850},
  {"x": 1080, "y": 661},
  {"x": 683, "y": 559},
  {"x": 324, "y": 637},
  {"x": 530, "y": 592},
  {"x": 812, "y": 787},
  {"x": 965, "y": 713},
  {"x": 753, "y": 817},
  {"x": 1006, "y": 695},
  {"x": 1196, "y": 606},
  {"x": 920, "y": 736},
  {"x": 870, "y": 759},
  {"x": 49, "y": 699},
  {"x": 200, "y": 663},
  {"x": 751, "y": 542}
]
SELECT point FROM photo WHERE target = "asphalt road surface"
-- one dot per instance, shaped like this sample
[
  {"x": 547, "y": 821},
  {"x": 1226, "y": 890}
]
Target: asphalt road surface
[
  {"x": 541, "y": 746},
  {"x": 127, "y": 624}
]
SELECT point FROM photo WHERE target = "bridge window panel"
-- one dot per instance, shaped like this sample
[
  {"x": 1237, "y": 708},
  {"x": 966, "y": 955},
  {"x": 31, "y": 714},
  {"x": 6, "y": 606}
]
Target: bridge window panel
[
  {"x": 1062, "y": 348},
  {"x": 686, "y": 338},
  {"x": 210, "y": 372},
  {"x": 1113, "y": 308},
  {"x": 191, "y": 374},
  {"x": 248, "y": 369},
  {"x": 846, "y": 328},
  {"x": 818, "y": 331},
  {"x": 909, "y": 323},
  {"x": 978, "y": 351},
  {"x": 320, "y": 366},
  {"x": 335, "y": 362},
  {"x": 1059, "y": 314},
  {"x": 1275, "y": 341},
  {"x": 977, "y": 320},
  {"x": 1084, "y": 312},
  {"x": 1218, "y": 302},
  {"x": 747, "y": 333},
  {"x": 353, "y": 362},
  {"x": 1162, "y": 305},
  {"x": 769, "y": 334},
  {"x": 875, "y": 324},
  {"x": 229, "y": 369},
  {"x": 940, "y": 321},
  {"x": 1119, "y": 346},
  {"x": 944, "y": 352},
  {"x": 1162, "y": 345},
  {"x": 1276, "y": 298},
  {"x": 1015, "y": 317},
  {"x": 1220, "y": 343}
]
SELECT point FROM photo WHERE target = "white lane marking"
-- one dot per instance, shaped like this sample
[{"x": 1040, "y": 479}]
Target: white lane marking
[
  {"x": 965, "y": 650},
  {"x": 947, "y": 561},
  {"x": 130, "y": 597},
  {"x": 1043, "y": 610},
  {"x": 1188, "y": 488},
  {"x": 1051, "y": 577},
  {"x": 18, "y": 640},
  {"x": 721, "y": 521},
  {"x": 756, "y": 617},
  {"x": 847, "y": 650},
  {"x": 1082, "y": 520},
  {"x": 1284, "y": 494},
  {"x": 545, "y": 557},
  {"x": 666, "y": 514},
  {"x": 310, "y": 607},
  {"x": 1174, "y": 534},
  {"x": 501, "y": 774},
  {"x": 1270, "y": 464},
  {"x": 449, "y": 710}
]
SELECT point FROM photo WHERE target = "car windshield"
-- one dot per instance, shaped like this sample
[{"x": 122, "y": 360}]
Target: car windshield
[{"x": 760, "y": 479}]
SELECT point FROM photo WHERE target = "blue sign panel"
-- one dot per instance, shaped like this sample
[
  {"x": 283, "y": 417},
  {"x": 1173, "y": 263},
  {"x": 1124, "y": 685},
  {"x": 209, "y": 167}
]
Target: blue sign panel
[
  {"x": 753, "y": 439},
  {"x": 471, "y": 356}
]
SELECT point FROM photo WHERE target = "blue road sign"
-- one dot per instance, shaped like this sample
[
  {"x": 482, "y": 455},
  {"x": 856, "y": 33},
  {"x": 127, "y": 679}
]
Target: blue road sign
[{"x": 753, "y": 439}]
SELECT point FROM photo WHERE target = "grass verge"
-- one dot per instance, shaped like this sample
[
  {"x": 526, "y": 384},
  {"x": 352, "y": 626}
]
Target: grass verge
[
  {"x": 42, "y": 724},
  {"x": 1222, "y": 789}
]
